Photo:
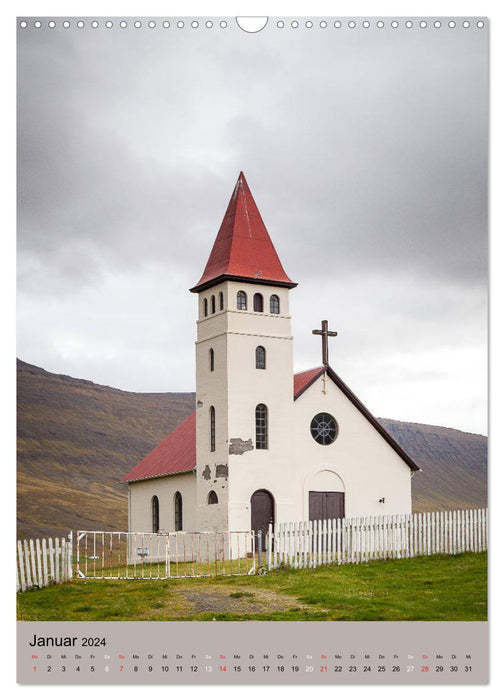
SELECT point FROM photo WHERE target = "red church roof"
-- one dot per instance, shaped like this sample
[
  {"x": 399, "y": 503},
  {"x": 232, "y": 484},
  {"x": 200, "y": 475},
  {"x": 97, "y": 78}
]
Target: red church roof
[
  {"x": 243, "y": 248},
  {"x": 302, "y": 380},
  {"x": 176, "y": 453}
]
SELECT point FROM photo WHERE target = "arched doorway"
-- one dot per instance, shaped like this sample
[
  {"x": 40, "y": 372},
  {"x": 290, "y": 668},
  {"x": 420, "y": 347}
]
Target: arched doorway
[
  {"x": 262, "y": 506},
  {"x": 326, "y": 495}
]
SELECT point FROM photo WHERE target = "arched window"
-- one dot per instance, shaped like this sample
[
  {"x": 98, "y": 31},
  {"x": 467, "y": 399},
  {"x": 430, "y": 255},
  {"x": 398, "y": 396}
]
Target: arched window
[
  {"x": 274, "y": 304},
  {"x": 212, "y": 360},
  {"x": 212, "y": 304},
  {"x": 261, "y": 421},
  {"x": 212, "y": 498},
  {"x": 241, "y": 301},
  {"x": 258, "y": 302},
  {"x": 260, "y": 357},
  {"x": 155, "y": 513},
  {"x": 221, "y": 301},
  {"x": 212, "y": 429},
  {"x": 177, "y": 502},
  {"x": 205, "y": 307}
]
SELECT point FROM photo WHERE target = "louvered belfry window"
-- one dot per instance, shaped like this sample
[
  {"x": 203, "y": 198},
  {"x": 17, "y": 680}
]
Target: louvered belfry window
[
  {"x": 258, "y": 302},
  {"x": 261, "y": 421},
  {"x": 274, "y": 304}
]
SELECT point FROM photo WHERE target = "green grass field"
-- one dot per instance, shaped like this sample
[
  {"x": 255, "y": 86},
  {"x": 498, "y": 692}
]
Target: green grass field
[{"x": 441, "y": 587}]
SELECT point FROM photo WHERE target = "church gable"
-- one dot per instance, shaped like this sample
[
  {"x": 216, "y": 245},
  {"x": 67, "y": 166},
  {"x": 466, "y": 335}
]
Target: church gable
[{"x": 305, "y": 380}]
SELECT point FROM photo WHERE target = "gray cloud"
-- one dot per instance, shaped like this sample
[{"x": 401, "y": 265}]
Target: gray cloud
[{"x": 365, "y": 151}]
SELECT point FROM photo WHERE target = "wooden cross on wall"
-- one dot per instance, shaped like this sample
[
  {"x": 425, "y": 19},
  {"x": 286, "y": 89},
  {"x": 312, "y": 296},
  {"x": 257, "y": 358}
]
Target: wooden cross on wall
[{"x": 325, "y": 333}]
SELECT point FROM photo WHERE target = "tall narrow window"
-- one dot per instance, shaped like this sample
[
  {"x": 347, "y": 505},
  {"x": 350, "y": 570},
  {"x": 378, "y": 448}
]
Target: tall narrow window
[
  {"x": 212, "y": 360},
  {"x": 241, "y": 301},
  {"x": 155, "y": 514},
  {"x": 212, "y": 304},
  {"x": 260, "y": 357},
  {"x": 177, "y": 502},
  {"x": 205, "y": 307},
  {"x": 212, "y": 429},
  {"x": 274, "y": 304},
  {"x": 221, "y": 301},
  {"x": 258, "y": 302},
  {"x": 261, "y": 420}
]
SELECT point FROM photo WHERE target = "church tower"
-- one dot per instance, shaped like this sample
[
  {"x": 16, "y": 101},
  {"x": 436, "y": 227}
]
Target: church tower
[{"x": 244, "y": 374}]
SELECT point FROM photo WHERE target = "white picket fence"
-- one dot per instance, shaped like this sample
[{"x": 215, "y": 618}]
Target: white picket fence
[
  {"x": 42, "y": 562},
  {"x": 354, "y": 540},
  {"x": 300, "y": 545}
]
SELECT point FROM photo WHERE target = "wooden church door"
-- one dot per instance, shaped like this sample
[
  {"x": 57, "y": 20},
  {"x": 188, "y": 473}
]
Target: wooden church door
[
  {"x": 326, "y": 505},
  {"x": 262, "y": 506}
]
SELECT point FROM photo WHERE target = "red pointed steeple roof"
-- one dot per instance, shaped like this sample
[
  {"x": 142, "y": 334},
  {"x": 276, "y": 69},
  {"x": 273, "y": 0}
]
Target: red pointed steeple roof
[{"x": 243, "y": 248}]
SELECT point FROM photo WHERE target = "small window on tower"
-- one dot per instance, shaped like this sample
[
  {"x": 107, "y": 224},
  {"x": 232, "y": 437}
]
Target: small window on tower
[
  {"x": 260, "y": 357},
  {"x": 212, "y": 304},
  {"x": 261, "y": 419},
  {"x": 221, "y": 301},
  {"x": 274, "y": 304},
  {"x": 212, "y": 360},
  {"x": 205, "y": 307},
  {"x": 212, "y": 498},
  {"x": 212, "y": 429},
  {"x": 258, "y": 302},
  {"x": 241, "y": 301}
]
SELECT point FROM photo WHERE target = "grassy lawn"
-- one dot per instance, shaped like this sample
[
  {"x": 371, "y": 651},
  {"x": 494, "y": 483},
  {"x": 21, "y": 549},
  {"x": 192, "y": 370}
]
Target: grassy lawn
[{"x": 441, "y": 587}]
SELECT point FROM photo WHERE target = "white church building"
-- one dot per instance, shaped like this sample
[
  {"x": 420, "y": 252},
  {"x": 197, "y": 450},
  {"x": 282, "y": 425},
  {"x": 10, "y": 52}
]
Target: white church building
[{"x": 263, "y": 445}]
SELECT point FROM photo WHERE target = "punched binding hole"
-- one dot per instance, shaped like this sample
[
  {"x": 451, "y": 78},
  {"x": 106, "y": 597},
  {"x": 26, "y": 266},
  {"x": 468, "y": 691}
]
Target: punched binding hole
[{"x": 251, "y": 25}]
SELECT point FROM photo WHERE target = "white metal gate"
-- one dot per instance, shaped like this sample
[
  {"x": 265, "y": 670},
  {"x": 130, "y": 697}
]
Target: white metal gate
[{"x": 163, "y": 555}]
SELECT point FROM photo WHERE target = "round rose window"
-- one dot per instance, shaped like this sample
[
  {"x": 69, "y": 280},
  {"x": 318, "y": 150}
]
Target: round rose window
[{"x": 324, "y": 429}]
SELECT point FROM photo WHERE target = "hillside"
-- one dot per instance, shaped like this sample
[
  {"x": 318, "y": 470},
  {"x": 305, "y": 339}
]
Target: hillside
[
  {"x": 77, "y": 439},
  {"x": 453, "y": 463}
]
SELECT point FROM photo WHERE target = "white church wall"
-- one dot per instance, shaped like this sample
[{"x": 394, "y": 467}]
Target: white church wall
[
  {"x": 165, "y": 488},
  {"x": 211, "y": 390},
  {"x": 235, "y": 388},
  {"x": 367, "y": 466},
  {"x": 324, "y": 480},
  {"x": 251, "y": 469}
]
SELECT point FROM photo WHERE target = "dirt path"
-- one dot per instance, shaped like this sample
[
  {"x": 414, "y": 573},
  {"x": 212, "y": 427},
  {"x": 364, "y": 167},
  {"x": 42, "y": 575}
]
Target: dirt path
[{"x": 239, "y": 602}]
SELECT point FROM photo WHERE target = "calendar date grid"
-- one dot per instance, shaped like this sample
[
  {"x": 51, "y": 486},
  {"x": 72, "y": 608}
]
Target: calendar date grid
[{"x": 161, "y": 663}]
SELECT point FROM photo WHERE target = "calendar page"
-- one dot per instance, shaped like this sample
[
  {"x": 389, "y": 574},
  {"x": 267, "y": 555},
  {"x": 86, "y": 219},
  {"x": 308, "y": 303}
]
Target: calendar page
[{"x": 252, "y": 355}]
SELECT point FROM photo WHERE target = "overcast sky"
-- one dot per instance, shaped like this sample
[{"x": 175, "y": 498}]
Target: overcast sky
[{"x": 365, "y": 150}]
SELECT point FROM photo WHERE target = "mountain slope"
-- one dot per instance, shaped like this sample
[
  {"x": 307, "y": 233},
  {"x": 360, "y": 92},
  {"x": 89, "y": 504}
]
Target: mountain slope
[
  {"x": 77, "y": 439},
  {"x": 453, "y": 463}
]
